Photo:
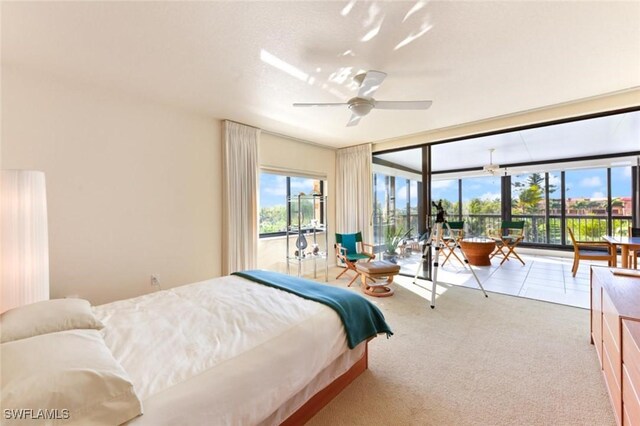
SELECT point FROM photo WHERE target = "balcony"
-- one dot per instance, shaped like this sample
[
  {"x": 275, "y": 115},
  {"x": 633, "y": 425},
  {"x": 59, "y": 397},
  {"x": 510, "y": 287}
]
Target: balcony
[{"x": 585, "y": 227}]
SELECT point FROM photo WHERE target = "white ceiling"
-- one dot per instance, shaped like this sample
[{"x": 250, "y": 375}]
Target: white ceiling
[
  {"x": 249, "y": 61},
  {"x": 613, "y": 134}
]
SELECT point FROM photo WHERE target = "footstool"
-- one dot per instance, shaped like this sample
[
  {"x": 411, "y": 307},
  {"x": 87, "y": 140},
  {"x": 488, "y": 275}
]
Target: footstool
[{"x": 373, "y": 270}]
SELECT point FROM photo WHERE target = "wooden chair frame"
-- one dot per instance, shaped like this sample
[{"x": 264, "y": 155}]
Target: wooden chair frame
[
  {"x": 585, "y": 245},
  {"x": 452, "y": 241},
  {"x": 511, "y": 234},
  {"x": 634, "y": 253},
  {"x": 350, "y": 265}
]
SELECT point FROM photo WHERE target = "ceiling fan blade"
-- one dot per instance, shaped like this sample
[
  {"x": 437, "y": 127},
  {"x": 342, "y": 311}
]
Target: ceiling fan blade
[
  {"x": 372, "y": 80},
  {"x": 402, "y": 104},
  {"x": 319, "y": 104},
  {"x": 354, "y": 120}
]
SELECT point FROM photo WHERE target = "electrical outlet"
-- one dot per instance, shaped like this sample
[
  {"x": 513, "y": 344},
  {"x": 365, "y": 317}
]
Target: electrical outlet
[{"x": 155, "y": 280}]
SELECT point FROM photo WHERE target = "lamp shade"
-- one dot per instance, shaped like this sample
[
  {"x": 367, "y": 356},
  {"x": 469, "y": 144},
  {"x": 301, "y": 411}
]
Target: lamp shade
[{"x": 25, "y": 242}]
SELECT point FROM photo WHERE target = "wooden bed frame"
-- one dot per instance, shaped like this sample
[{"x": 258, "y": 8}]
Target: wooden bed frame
[{"x": 322, "y": 398}]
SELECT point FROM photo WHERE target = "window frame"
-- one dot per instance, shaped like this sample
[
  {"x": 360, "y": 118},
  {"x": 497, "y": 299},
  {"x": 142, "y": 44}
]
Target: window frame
[{"x": 288, "y": 175}]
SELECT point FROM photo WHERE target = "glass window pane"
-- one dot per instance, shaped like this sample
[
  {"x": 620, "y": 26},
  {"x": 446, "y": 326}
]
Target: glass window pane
[
  {"x": 305, "y": 186},
  {"x": 413, "y": 207},
  {"x": 528, "y": 194},
  {"x": 402, "y": 201},
  {"x": 586, "y": 203},
  {"x": 555, "y": 208},
  {"x": 380, "y": 211},
  {"x": 481, "y": 205},
  {"x": 273, "y": 195},
  {"x": 528, "y": 203},
  {"x": 621, "y": 200},
  {"x": 447, "y": 191}
]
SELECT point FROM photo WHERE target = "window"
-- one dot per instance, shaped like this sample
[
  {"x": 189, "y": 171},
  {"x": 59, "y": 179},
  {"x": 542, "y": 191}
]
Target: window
[
  {"x": 555, "y": 208},
  {"x": 395, "y": 201},
  {"x": 531, "y": 193},
  {"x": 379, "y": 208},
  {"x": 481, "y": 205},
  {"x": 574, "y": 174},
  {"x": 274, "y": 189},
  {"x": 447, "y": 192},
  {"x": 621, "y": 200},
  {"x": 586, "y": 203}
]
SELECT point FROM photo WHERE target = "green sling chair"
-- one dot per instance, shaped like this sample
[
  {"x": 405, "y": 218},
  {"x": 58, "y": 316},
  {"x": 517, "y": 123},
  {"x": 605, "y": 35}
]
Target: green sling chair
[{"x": 347, "y": 252}]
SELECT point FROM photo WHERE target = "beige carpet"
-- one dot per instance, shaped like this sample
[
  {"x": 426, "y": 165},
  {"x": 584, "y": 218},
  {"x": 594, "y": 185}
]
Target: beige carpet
[{"x": 475, "y": 361}]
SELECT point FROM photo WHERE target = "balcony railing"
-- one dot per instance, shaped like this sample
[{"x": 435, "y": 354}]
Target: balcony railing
[{"x": 585, "y": 227}]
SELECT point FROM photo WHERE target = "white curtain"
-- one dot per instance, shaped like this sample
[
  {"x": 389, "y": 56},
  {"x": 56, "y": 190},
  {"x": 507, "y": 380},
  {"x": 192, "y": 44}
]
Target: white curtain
[
  {"x": 25, "y": 240},
  {"x": 239, "y": 197},
  {"x": 354, "y": 191}
]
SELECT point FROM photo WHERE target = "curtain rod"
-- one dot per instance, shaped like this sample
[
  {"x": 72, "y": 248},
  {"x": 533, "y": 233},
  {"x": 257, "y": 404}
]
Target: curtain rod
[
  {"x": 242, "y": 124},
  {"x": 300, "y": 140},
  {"x": 285, "y": 136}
]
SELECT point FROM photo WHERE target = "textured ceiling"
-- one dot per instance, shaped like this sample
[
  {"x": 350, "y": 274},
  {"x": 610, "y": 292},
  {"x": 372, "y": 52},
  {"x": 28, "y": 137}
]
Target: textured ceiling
[{"x": 249, "y": 61}]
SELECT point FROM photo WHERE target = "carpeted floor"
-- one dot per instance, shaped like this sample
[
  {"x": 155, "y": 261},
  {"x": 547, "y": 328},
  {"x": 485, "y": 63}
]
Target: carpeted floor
[{"x": 475, "y": 361}]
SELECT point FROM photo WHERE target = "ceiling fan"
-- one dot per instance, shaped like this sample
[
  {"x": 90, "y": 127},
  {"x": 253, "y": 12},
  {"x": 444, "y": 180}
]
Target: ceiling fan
[
  {"x": 363, "y": 103},
  {"x": 491, "y": 168}
]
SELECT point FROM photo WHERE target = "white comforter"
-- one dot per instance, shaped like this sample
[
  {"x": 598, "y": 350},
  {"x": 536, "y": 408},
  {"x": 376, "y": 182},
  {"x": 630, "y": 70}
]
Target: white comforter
[{"x": 261, "y": 345}]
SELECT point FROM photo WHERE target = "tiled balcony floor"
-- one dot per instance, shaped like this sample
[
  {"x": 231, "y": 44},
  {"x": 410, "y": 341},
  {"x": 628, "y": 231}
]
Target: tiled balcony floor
[{"x": 542, "y": 278}]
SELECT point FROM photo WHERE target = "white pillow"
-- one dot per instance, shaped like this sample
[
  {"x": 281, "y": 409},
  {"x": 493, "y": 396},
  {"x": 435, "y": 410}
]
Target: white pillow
[
  {"x": 47, "y": 316},
  {"x": 71, "y": 375}
]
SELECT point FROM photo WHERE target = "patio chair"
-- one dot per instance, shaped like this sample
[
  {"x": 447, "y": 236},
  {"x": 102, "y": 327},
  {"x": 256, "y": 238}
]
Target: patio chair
[
  {"x": 452, "y": 241},
  {"x": 511, "y": 234},
  {"x": 347, "y": 251},
  {"x": 589, "y": 250}
]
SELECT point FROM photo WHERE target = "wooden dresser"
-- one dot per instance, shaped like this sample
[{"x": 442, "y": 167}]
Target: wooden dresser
[{"x": 615, "y": 333}]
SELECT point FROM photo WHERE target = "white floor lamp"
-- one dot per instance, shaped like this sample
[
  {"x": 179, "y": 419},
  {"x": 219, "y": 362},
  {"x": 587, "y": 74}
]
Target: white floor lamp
[{"x": 25, "y": 242}]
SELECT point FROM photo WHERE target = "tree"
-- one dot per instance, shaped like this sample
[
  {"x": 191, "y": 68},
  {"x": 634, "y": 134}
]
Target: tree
[
  {"x": 581, "y": 206},
  {"x": 273, "y": 219},
  {"x": 530, "y": 194}
]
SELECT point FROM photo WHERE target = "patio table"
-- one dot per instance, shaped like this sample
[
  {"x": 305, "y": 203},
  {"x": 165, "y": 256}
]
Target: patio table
[
  {"x": 625, "y": 244},
  {"x": 478, "y": 250}
]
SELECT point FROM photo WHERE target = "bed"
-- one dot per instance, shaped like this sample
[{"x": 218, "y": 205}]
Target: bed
[{"x": 231, "y": 350}]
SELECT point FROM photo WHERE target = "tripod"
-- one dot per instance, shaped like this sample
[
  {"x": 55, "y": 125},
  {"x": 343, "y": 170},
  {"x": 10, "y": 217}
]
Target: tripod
[{"x": 437, "y": 236}]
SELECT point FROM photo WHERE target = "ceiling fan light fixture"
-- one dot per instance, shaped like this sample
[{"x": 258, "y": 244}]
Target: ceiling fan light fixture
[
  {"x": 360, "y": 107},
  {"x": 363, "y": 102}
]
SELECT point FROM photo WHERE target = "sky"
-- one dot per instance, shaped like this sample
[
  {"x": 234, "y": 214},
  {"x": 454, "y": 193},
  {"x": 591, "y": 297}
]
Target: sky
[
  {"x": 582, "y": 183},
  {"x": 273, "y": 188}
]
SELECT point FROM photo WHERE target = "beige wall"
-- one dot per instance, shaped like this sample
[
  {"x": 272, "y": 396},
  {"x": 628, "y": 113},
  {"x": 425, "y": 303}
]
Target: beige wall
[
  {"x": 628, "y": 98},
  {"x": 288, "y": 154},
  {"x": 133, "y": 186}
]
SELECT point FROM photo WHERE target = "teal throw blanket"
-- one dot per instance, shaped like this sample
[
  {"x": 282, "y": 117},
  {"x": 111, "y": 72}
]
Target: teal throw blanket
[{"x": 361, "y": 319}]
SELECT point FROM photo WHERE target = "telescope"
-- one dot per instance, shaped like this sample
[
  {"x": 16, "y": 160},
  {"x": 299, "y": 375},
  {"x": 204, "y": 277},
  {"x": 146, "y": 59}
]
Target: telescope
[
  {"x": 440, "y": 213},
  {"x": 436, "y": 240}
]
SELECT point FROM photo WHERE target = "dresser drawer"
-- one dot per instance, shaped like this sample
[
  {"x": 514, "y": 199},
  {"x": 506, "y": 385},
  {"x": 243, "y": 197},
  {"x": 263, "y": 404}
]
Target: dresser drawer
[
  {"x": 631, "y": 400},
  {"x": 631, "y": 351},
  {"x": 597, "y": 342},
  {"x": 596, "y": 319},
  {"x": 611, "y": 321},
  {"x": 615, "y": 359},
  {"x": 613, "y": 388}
]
